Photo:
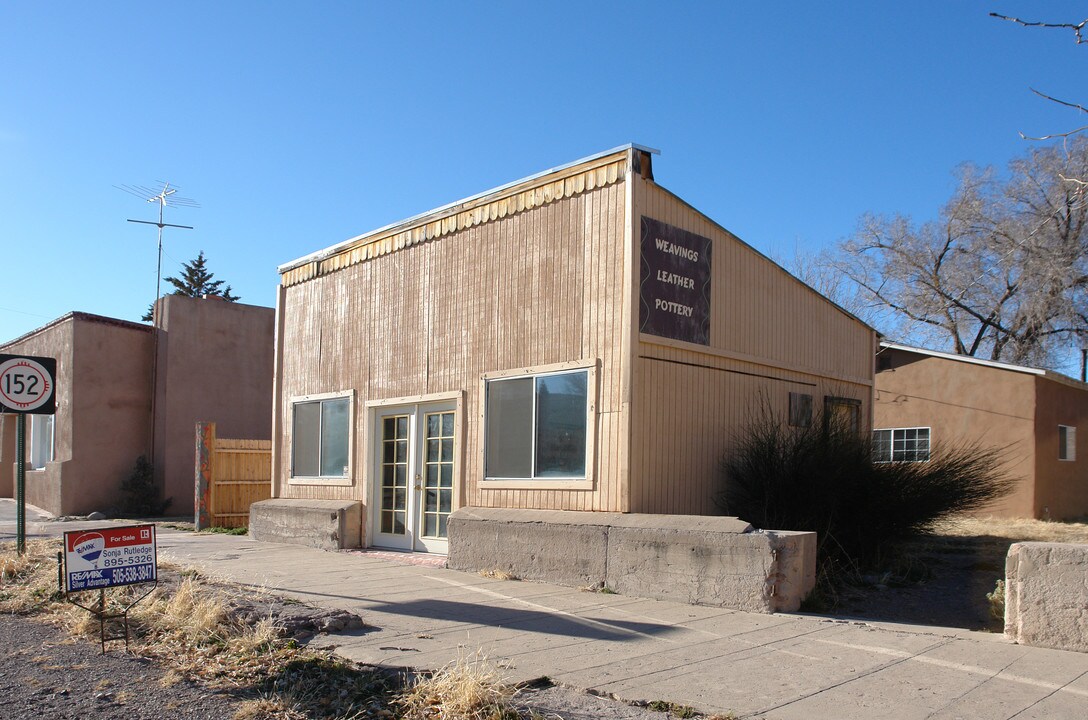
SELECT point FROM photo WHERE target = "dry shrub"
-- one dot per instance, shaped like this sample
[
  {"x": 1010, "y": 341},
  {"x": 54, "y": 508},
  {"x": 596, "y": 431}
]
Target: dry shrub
[
  {"x": 823, "y": 478},
  {"x": 469, "y": 688},
  {"x": 268, "y": 708},
  {"x": 189, "y": 611}
]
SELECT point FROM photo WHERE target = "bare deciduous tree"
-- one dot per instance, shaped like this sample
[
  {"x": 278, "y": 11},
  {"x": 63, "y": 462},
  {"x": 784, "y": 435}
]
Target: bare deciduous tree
[{"x": 1002, "y": 273}]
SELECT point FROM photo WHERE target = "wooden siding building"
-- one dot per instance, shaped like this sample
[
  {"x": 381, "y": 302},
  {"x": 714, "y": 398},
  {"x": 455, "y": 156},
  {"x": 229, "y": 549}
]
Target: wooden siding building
[{"x": 579, "y": 340}]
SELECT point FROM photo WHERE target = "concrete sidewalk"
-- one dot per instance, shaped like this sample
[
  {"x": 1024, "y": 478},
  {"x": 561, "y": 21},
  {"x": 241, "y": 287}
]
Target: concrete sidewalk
[{"x": 718, "y": 661}]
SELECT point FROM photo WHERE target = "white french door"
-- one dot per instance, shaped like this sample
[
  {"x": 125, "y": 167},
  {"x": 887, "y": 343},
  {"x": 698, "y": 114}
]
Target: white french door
[{"x": 415, "y": 466}]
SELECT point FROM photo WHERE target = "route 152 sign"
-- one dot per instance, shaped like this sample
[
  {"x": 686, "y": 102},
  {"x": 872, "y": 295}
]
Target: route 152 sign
[{"x": 28, "y": 384}]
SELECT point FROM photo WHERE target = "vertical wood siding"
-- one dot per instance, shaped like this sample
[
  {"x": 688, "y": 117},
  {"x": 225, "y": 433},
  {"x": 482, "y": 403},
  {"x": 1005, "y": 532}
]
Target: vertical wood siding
[
  {"x": 532, "y": 288},
  {"x": 770, "y": 335}
]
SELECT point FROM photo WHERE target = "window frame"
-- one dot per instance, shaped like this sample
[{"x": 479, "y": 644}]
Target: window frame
[
  {"x": 345, "y": 480},
  {"x": 799, "y": 412},
  {"x": 852, "y": 404},
  {"x": 587, "y": 482},
  {"x": 891, "y": 443},
  {"x": 34, "y": 431},
  {"x": 1067, "y": 446}
]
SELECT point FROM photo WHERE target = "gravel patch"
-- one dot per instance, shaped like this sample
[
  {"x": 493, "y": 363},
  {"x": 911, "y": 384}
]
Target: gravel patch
[{"x": 45, "y": 673}]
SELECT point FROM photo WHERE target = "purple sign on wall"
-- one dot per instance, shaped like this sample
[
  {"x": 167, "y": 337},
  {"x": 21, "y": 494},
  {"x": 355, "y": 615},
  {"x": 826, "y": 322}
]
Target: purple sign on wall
[{"x": 674, "y": 290}]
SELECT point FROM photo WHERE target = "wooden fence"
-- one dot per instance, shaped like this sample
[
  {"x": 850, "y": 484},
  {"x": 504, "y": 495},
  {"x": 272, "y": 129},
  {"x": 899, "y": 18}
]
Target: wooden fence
[{"x": 230, "y": 476}]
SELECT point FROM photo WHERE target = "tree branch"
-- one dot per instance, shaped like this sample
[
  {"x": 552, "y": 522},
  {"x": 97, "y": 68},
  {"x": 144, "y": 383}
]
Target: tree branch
[{"x": 1077, "y": 28}]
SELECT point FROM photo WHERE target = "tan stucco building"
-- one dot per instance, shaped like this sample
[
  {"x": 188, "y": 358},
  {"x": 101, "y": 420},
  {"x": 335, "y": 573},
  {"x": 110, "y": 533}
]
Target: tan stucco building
[
  {"x": 924, "y": 397},
  {"x": 580, "y": 340},
  {"x": 214, "y": 363}
]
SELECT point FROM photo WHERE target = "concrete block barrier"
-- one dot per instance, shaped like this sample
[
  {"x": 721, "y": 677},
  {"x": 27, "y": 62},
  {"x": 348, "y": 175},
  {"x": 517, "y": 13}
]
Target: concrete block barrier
[
  {"x": 702, "y": 560},
  {"x": 324, "y": 524},
  {"x": 1046, "y": 595}
]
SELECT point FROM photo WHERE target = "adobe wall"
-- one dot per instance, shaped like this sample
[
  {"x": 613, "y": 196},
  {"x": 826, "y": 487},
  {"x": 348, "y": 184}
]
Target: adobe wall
[
  {"x": 215, "y": 365},
  {"x": 1061, "y": 486},
  {"x": 103, "y": 413},
  {"x": 110, "y": 414},
  {"x": 964, "y": 403},
  {"x": 7, "y": 456}
]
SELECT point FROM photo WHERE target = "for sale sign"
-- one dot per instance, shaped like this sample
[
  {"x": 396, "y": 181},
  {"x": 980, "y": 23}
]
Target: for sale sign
[{"x": 98, "y": 559}]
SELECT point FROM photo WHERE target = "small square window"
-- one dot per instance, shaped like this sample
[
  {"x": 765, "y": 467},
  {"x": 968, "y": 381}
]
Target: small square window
[{"x": 800, "y": 409}]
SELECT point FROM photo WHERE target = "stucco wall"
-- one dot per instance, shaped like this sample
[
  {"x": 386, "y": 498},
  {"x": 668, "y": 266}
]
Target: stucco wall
[
  {"x": 103, "y": 414},
  {"x": 1061, "y": 486},
  {"x": 215, "y": 365},
  {"x": 964, "y": 403}
]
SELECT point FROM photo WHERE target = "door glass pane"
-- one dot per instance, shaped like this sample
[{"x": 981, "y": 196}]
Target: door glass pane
[
  {"x": 394, "y": 473},
  {"x": 438, "y": 474},
  {"x": 561, "y": 425},
  {"x": 509, "y": 433}
]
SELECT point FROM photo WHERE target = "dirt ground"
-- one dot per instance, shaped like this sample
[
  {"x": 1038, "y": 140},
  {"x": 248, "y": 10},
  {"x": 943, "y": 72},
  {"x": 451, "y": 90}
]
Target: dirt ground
[
  {"x": 47, "y": 674},
  {"x": 944, "y": 579},
  {"x": 940, "y": 580}
]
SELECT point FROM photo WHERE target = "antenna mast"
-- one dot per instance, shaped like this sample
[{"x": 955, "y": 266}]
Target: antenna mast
[{"x": 164, "y": 197}]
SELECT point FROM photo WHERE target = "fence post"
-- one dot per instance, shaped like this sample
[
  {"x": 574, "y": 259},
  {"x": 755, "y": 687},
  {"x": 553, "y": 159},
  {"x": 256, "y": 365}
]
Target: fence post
[{"x": 205, "y": 474}]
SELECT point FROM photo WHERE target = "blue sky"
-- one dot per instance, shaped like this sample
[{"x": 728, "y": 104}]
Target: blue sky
[{"x": 296, "y": 126}]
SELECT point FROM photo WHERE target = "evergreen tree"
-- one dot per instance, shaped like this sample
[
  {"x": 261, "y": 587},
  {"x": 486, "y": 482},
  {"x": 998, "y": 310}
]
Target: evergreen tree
[{"x": 196, "y": 281}]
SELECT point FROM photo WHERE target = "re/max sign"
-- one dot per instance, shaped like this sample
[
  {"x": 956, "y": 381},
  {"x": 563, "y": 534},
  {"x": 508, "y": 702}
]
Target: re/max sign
[{"x": 108, "y": 557}]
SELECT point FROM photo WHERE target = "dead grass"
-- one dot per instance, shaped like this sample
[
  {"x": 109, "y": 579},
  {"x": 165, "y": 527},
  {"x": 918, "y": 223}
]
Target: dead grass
[
  {"x": 468, "y": 689},
  {"x": 1014, "y": 529},
  {"x": 28, "y": 583},
  {"x": 187, "y": 626}
]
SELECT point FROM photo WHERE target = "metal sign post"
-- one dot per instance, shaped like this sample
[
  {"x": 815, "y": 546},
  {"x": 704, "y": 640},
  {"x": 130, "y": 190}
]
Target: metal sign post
[
  {"x": 20, "y": 483},
  {"x": 27, "y": 385}
]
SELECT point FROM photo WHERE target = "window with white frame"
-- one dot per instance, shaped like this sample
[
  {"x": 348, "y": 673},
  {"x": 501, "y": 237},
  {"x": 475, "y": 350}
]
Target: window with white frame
[
  {"x": 41, "y": 441},
  {"x": 1067, "y": 442},
  {"x": 901, "y": 445},
  {"x": 536, "y": 426},
  {"x": 320, "y": 436}
]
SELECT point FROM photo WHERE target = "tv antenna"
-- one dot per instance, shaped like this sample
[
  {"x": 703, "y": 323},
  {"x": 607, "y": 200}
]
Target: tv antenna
[{"x": 164, "y": 197}]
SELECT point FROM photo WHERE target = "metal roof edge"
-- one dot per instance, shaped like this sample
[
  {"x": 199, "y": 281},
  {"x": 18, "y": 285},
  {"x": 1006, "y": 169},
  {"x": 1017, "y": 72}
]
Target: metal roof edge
[
  {"x": 967, "y": 359},
  {"x": 77, "y": 315},
  {"x": 334, "y": 249}
]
